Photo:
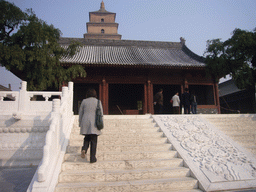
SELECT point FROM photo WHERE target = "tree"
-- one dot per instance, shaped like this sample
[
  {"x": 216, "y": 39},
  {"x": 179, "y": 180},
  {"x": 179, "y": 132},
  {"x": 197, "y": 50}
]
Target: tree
[
  {"x": 10, "y": 18},
  {"x": 33, "y": 52},
  {"x": 235, "y": 56}
]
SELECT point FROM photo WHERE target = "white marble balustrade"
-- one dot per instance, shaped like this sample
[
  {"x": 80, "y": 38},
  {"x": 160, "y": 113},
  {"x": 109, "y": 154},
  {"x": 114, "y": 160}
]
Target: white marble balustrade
[
  {"x": 34, "y": 131},
  {"x": 56, "y": 141},
  {"x": 22, "y": 102}
]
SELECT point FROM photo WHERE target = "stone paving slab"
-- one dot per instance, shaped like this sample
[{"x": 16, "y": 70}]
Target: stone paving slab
[{"x": 16, "y": 179}]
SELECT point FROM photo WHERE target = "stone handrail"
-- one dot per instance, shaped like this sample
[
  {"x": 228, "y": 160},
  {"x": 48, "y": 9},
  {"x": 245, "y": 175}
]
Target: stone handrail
[
  {"x": 21, "y": 102},
  {"x": 12, "y": 94},
  {"x": 56, "y": 141},
  {"x": 58, "y": 132},
  {"x": 23, "y": 105}
]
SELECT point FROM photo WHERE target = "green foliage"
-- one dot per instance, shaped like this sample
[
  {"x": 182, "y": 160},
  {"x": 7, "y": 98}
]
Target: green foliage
[
  {"x": 235, "y": 56},
  {"x": 215, "y": 59},
  {"x": 10, "y": 18},
  {"x": 244, "y": 77},
  {"x": 33, "y": 54}
]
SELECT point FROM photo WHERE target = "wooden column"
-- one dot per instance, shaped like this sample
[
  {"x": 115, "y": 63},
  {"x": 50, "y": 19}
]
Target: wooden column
[
  {"x": 216, "y": 95},
  {"x": 181, "y": 90},
  {"x": 100, "y": 92},
  {"x": 104, "y": 95},
  {"x": 107, "y": 98},
  {"x": 101, "y": 96},
  {"x": 150, "y": 97},
  {"x": 145, "y": 102},
  {"x": 185, "y": 84}
]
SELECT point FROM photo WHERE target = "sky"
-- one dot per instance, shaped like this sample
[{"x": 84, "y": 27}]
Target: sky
[{"x": 151, "y": 20}]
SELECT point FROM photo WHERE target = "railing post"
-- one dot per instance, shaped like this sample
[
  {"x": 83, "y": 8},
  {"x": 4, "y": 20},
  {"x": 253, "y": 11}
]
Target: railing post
[
  {"x": 64, "y": 91},
  {"x": 23, "y": 101},
  {"x": 56, "y": 114},
  {"x": 71, "y": 88},
  {"x": 56, "y": 105}
]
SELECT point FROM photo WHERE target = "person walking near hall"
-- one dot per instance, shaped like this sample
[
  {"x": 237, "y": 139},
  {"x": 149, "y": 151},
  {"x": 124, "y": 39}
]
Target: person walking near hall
[
  {"x": 176, "y": 103},
  {"x": 193, "y": 101},
  {"x": 186, "y": 101},
  {"x": 159, "y": 102},
  {"x": 87, "y": 124}
]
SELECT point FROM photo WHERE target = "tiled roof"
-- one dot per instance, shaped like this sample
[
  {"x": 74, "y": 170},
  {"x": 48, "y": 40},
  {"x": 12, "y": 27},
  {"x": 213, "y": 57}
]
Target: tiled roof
[
  {"x": 3, "y": 88},
  {"x": 125, "y": 52},
  {"x": 228, "y": 87}
]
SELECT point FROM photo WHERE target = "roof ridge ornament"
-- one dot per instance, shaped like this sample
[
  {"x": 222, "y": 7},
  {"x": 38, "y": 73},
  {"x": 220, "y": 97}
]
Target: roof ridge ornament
[
  {"x": 102, "y": 6},
  {"x": 182, "y": 41}
]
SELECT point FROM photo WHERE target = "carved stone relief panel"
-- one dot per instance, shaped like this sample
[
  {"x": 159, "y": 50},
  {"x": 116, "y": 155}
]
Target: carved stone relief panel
[{"x": 206, "y": 149}]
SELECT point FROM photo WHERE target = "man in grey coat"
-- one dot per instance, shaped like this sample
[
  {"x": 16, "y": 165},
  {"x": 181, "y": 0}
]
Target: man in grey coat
[{"x": 88, "y": 128}]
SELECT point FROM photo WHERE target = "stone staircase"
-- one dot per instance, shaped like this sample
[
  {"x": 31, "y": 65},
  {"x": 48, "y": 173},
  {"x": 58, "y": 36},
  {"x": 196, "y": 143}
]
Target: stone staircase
[
  {"x": 22, "y": 141},
  {"x": 132, "y": 156},
  {"x": 241, "y": 128}
]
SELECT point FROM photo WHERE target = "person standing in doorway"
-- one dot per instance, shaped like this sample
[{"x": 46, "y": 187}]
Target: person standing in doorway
[
  {"x": 176, "y": 103},
  {"x": 186, "y": 101},
  {"x": 159, "y": 102},
  {"x": 88, "y": 128},
  {"x": 193, "y": 101}
]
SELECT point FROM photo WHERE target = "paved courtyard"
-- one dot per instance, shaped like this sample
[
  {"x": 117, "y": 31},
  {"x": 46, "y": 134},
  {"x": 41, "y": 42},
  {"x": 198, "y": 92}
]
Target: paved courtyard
[{"x": 16, "y": 179}]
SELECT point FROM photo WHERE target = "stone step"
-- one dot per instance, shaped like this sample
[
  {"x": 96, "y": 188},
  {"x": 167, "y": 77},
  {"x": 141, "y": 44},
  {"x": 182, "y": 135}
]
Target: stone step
[
  {"x": 180, "y": 190},
  {"x": 113, "y": 123},
  {"x": 184, "y": 183},
  {"x": 123, "y": 130},
  {"x": 123, "y": 141},
  {"x": 111, "y": 156},
  {"x": 132, "y": 155},
  {"x": 125, "y": 164},
  {"x": 231, "y": 128},
  {"x": 107, "y": 118},
  {"x": 126, "y": 117},
  {"x": 105, "y": 137},
  {"x": 124, "y": 127},
  {"x": 130, "y": 123},
  {"x": 238, "y": 131},
  {"x": 246, "y": 143},
  {"x": 122, "y": 175},
  {"x": 251, "y": 147},
  {"x": 124, "y": 148},
  {"x": 232, "y": 121},
  {"x": 233, "y": 124},
  {"x": 243, "y": 137}
]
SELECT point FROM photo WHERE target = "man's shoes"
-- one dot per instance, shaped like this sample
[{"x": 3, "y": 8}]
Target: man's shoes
[{"x": 83, "y": 154}]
